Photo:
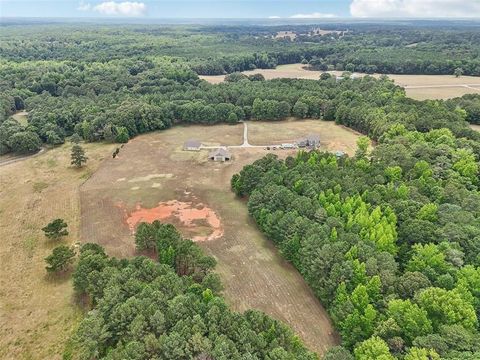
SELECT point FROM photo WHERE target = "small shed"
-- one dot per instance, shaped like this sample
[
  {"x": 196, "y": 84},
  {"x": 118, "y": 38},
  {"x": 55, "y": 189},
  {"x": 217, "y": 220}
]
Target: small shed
[
  {"x": 220, "y": 154},
  {"x": 192, "y": 145}
]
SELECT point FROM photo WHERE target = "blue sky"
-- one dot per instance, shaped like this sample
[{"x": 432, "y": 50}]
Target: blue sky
[{"x": 318, "y": 9}]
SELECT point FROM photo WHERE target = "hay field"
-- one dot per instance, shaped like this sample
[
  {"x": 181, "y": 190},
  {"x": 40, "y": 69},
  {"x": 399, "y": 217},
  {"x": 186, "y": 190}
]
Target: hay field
[{"x": 37, "y": 312}]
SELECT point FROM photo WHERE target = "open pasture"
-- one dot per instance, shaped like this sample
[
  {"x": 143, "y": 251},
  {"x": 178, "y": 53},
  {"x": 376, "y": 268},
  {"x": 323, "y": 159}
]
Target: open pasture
[
  {"x": 153, "y": 178},
  {"x": 418, "y": 87},
  {"x": 37, "y": 312}
]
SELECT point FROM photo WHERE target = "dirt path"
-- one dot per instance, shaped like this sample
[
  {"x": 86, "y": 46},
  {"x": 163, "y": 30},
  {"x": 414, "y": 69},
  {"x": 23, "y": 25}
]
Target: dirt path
[
  {"x": 6, "y": 160},
  {"x": 245, "y": 143},
  {"x": 253, "y": 272}
]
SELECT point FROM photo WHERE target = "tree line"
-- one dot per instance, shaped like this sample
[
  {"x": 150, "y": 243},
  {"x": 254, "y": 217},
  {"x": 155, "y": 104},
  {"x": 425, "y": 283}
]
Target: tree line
[
  {"x": 120, "y": 99},
  {"x": 212, "y": 50},
  {"x": 169, "y": 308},
  {"x": 389, "y": 240}
]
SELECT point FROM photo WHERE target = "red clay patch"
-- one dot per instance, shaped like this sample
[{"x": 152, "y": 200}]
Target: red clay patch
[{"x": 185, "y": 214}]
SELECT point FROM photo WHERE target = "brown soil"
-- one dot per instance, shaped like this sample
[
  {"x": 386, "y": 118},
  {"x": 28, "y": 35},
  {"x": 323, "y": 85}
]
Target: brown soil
[{"x": 185, "y": 215}]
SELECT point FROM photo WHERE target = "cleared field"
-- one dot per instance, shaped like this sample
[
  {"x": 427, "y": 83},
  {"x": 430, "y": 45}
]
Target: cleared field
[
  {"x": 419, "y": 87},
  {"x": 36, "y": 311},
  {"x": 440, "y": 93},
  {"x": 293, "y": 71},
  {"x": 475, "y": 127},
  {"x": 332, "y": 137},
  {"x": 153, "y": 172},
  {"x": 21, "y": 117},
  {"x": 286, "y": 34}
]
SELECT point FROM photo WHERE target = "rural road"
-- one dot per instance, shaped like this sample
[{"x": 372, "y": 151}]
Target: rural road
[
  {"x": 245, "y": 143},
  {"x": 21, "y": 158},
  {"x": 245, "y": 135}
]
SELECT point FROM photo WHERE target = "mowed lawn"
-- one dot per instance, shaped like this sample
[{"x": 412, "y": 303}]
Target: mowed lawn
[
  {"x": 37, "y": 312},
  {"x": 153, "y": 169},
  {"x": 419, "y": 87}
]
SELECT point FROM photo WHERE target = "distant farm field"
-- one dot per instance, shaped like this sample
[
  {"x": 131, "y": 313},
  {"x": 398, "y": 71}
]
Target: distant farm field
[
  {"x": 475, "y": 127},
  {"x": 37, "y": 312},
  {"x": 154, "y": 178},
  {"x": 419, "y": 87}
]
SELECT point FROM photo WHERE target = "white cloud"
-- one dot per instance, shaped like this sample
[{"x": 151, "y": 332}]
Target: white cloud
[
  {"x": 315, "y": 15},
  {"x": 126, "y": 8},
  {"x": 84, "y": 6},
  {"x": 415, "y": 8}
]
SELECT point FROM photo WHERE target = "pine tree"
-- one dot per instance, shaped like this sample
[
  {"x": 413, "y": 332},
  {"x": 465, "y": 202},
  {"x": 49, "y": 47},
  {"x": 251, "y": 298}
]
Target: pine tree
[{"x": 78, "y": 156}]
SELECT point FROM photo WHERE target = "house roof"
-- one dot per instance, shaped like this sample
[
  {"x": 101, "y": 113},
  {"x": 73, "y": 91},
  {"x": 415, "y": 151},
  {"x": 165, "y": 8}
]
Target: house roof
[
  {"x": 313, "y": 137},
  {"x": 192, "y": 143},
  {"x": 220, "y": 152}
]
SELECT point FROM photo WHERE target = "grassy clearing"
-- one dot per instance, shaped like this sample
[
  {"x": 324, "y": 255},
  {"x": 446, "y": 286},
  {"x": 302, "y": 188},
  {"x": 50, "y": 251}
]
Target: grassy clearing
[
  {"x": 37, "y": 313},
  {"x": 332, "y": 136},
  {"x": 153, "y": 168},
  {"x": 21, "y": 117},
  {"x": 439, "y": 86}
]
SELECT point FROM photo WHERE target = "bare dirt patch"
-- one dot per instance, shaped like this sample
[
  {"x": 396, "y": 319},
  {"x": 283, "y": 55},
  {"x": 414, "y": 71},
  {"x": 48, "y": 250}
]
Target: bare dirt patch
[
  {"x": 475, "y": 127},
  {"x": 254, "y": 274},
  {"x": 190, "y": 218},
  {"x": 37, "y": 312}
]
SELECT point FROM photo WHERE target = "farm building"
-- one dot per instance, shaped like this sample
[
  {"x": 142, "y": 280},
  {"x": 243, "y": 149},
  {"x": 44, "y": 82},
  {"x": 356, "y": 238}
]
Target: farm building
[
  {"x": 220, "y": 154},
  {"x": 288, "y": 146},
  {"x": 311, "y": 140},
  {"x": 192, "y": 145}
]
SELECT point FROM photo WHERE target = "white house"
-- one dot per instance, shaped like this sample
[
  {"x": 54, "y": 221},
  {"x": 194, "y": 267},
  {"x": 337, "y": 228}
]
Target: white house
[{"x": 220, "y": 154}]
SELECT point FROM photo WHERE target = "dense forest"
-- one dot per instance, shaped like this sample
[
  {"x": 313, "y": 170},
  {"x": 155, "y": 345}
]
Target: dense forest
[
  {"x": 168, "y": 309},
  {"x": 113, "y": 82},
  {"x": 389, "y": 240},
  {"x": 419, "y": 48},
  {"x": 120, "y": 99}
]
